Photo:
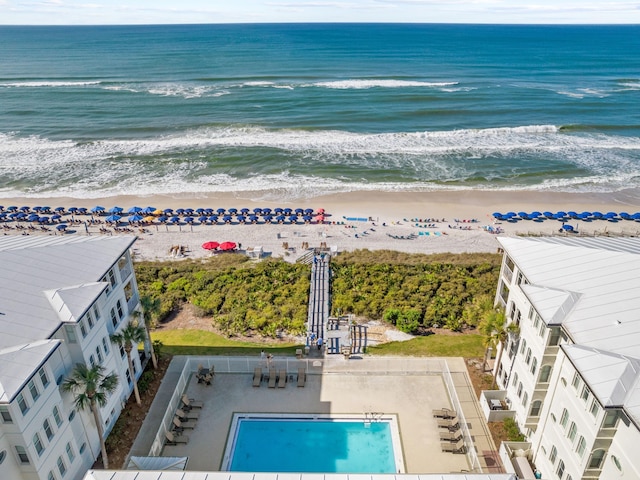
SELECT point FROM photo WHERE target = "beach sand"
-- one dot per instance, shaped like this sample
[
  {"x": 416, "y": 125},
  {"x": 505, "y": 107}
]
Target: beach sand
[{"x": 401, "y": 212}]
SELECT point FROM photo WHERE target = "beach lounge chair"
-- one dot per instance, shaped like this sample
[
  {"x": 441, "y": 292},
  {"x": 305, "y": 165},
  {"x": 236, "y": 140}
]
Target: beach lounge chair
[
  {"x": 282, "y": 378},
  {"x": 272, "y": 378},
  {"x": 302, "y": 377},
  {"x": 185, "y": 416},
  {"x": 450, "y": 423},
  {"x": 174, "y": 439},
  {"x": 451, "y": 436},
  {"x": 457, "y": 447},
  {"x": 444, "y": 413},
  {"x": 179, "y": 425},
  {"x": 257, "y": 376},
  {"x": 190, "y": 403}
]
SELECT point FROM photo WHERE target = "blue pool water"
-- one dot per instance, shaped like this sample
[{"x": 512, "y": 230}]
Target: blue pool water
[{"x": 313, "y": 446}]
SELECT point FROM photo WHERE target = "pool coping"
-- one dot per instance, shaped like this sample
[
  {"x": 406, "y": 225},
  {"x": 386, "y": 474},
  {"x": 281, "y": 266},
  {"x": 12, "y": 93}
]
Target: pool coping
[{"x": 370, "y": 417}]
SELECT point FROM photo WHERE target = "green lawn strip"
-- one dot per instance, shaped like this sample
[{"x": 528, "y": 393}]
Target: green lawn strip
[
  {"x": 468, "y": 345},
  {"x": 200, "y": 342}
]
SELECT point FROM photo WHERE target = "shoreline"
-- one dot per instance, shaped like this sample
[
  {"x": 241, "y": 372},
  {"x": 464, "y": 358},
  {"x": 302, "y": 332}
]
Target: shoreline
[{"x": 414, "y": 221}]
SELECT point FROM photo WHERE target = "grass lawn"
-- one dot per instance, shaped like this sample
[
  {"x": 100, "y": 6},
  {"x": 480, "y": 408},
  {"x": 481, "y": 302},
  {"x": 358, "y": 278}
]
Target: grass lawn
[
  {"x": 468, "y": 345},
  {"x": 199, "y": 342}
]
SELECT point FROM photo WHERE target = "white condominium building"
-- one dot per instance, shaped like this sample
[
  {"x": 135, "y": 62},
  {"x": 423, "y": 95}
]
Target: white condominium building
[
  {"x": 61, "y": 297},
  {"x": 572, "y": 373}
]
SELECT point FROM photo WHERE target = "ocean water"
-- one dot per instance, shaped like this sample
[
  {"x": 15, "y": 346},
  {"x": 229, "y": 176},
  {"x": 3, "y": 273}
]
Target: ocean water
[{"x": 294, "y": 111}]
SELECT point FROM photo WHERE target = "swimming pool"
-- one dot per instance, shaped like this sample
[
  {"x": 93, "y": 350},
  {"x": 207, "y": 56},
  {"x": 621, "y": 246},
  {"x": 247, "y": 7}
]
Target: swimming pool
[{"x": 306, "y": 444}]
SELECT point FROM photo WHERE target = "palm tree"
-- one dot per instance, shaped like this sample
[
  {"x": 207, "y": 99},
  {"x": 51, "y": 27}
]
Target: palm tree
[
  {"x": 130, "y": 336},
  {"x": 91, "y": 388},
  {"x": 150, "y": 307},
  {"x": 496, "y": 331}
]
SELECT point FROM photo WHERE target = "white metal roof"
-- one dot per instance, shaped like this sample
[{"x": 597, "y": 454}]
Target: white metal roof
[
  {"x": 611, "y": 377},
  {"x": 35, "y": 266},
  {"x": 157, "y": 463},
  {"x": 15, "y": 361},
  {"x": 592, "y": 287}
]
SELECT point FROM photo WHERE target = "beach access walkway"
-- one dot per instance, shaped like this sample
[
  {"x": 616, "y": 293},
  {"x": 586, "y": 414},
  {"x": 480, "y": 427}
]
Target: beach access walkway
[{"x": 318, "y": 303}]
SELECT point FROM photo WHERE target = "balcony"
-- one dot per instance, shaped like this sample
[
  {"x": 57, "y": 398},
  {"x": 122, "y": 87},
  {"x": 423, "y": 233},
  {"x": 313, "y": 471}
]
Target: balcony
[
  {"x": 125, "y": 271},
  {"x": 132, "y": 302},
  {"x": 508, "y": 274},
  {"x": 494, "y": 405}
]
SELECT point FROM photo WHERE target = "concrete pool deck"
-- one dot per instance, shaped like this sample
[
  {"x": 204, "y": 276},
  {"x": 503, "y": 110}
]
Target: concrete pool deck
[{"x": 398, "y": 386}]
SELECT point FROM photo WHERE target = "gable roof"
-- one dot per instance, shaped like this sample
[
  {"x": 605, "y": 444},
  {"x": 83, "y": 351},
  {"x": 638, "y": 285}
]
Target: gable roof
[{"x": 34, "y": 267}]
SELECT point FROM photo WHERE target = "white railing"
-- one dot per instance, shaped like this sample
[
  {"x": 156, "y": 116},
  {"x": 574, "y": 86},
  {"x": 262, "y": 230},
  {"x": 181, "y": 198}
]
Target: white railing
[{"x": 472, "y": 455}]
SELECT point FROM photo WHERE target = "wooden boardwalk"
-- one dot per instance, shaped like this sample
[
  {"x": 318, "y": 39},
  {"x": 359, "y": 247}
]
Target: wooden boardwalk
[{"x": 318, "y": 300}]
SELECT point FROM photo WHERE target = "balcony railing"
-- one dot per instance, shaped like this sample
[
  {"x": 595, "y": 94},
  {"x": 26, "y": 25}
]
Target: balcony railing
[
  {"x": 132, "y": 303},
  {"x": 125, "y": 271},
  {"x": 508, "y": 274}
]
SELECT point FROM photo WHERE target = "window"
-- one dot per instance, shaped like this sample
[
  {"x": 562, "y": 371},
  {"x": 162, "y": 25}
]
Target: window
[
  {"x": 520, "y": 390},
  {"x": 62, "y": 468},
  {"x": 585, "y": 393},
  {"x": 564, "y": 417},
  {"x": 616, "y": 462},
  {"x": 56, "y": 416},
  {"x": 534, "y": 365},
  {"x": 114, "y": 319},
  {"x": 525, "y": 399},
  {"x": 3, "y": 455},
  {"x": 96, "y": 312},
  {"x": 128, "y": 375},
  {"x": 89, "y": 319},
  {"x": 22, "y": 403},
  {"x": 122, "y": 351},
  {"x": 71, "y": 334},
  {"x": 580, "y": 447},
  {"x": 92, "y": 360},
  {"x": 524, "y": 345},
  {"x": 83, "y": 328},
  {"x": 542, "y": 330},
  {"x": 536, "y": 322},
  {"x": 34, "y": 390},
  {"x": 595, "y": 408},
  {"x": 22, "y": 455},
  {"x": 99, "y": 355},
  {"x": 120, "y": 312},
  {"x": 576, "y": 381},
  {"x": 536, "y": 406},
  {"x": 610, "y": 419},
  {"x": 515, "y": 379},
  {"x": 105, "y": 346},
  {"x": 47, "y": 429},
  {"x": 553, "y": 454},
  {"x": 5, "y": 415},
  {"x": 527, "y": 359},
  {"x": 112, "y": 278},
  {"x": 51, "y": 476},
  {"x": 72, "y": 415},
  {"x": 38, "y": 444},
  {"x": 560, "y": 469},
  {"x": 83, "y": 447},
  {"x": 571, "y": 435},
  {"x": 70, "y": 453},
  {"x": 596, "y": 459},
  {"x": 43, "y": 377}
]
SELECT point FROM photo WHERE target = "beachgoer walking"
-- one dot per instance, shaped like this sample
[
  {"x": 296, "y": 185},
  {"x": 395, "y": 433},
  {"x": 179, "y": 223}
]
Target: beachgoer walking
[{"x": 320, "y": 343}]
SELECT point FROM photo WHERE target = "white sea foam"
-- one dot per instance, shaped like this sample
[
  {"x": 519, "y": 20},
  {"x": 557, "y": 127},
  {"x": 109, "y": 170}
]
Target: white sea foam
[
  {"x": 358, "y": 84},
  {"x": 49, "y": 83},
  {"x": 186, "y": 91},
  {"x": 111, "y": 167},
  {"x": 258, "y": 84}
]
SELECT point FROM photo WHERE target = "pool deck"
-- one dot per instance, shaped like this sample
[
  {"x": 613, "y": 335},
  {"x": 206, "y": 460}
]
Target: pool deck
[{"x": 342, "y": 387}]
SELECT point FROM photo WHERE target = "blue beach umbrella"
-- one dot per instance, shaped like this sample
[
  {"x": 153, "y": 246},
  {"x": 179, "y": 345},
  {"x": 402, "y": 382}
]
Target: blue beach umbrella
[
  {"x": 233, "y": 211},
  {"x": 97, "y": 209},
  {"x": 524, "y": 215},
  {"x": 36, "y": 208},
  {"x": 188, "y": 211},
  {"x": 257, "y": 211},
  {"x": 253, "y": 218},
  {"x": 43, "y": 219},
  {"x": 299, "y": 211},
  {"x": 572, "y": 214},
  {"x": 208, "y": 211},
  {"x": 625, "y": 215},
  {"x": 135, "y": 218},
  {"x": 113, "y": 218},
  {"x": 13, "y": 215},
  {"x": 267, "y": 211},
  {"x": 584, "y": 215},
  {"x": 59, "y": 209},
  {"x": 149, "y": 210},
  {"x": 213, "y": 219},
  {"x": 56, "y": 217},
  {"x": 200, "y": 211},
  {"x": 12, "y": 208},
  {"x": 287, "y": 211},
  {"x": 81, "y": 210},
  {"x": 227, "y": 218},
  {"x": 21, "y": 215},
  {"x": 562, "y": 213},
  {"x": 548, "y": 214},
  {"x": 636, "y": 216},
  {"x": 307, "y": 218},
  {"x": 221, "y": 211},
  {"x": 241, "y": 218},
  {"x": 496, "y": 214},
  {"x": 203, "y": 219},
  {"x": 293, "y": 218},
  {"x": 62, "y": 226},
  {"x": 112, "y": 210},
  {"x": 568, "y": 228},
  {"x": 163, "y": 218},
  {"x": 168, "y": 211},
  {"x": 33, "y": 217},
  {"x": 267, "y": 218},
  {"x": 596, "y": 214},
  {"x": 244, "y": 210},
  {"x": 45, "y": 209},
  {"x": 188, "y": 219},
  {"x": 280, "y": 218},
  {"x": 179, "y": 211},
  {"x": 174, "y": 219},
  {"x": 24, "y": 209},
  {"x": 308, "y": 211},
  {"x": 134, "y": 210},
  {"x": 558, "y": 216}
]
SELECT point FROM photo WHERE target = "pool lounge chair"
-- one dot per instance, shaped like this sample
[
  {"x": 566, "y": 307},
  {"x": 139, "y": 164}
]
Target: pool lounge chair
[
  {"x": 444, "y": 413},
  {"x": 272, "y": 378},
  {"x": 450, "y": 423},
  {"x": 257, "y": 376},
  {"x": 185, "y": 416},
  {"x": 175, "y": 439},
  {"x": 451, "y": 436},
  {"x": 190, "y": 403},
  {"x": 179, "y": 425},
  {"x": 282, "y": 378},
  {"x": 457, "y": 447},
  {"x": 302, "y": 377}
]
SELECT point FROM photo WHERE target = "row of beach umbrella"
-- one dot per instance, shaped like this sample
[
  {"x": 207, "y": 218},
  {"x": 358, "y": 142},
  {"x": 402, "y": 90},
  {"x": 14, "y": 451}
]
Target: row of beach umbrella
[
  {"x": 565, "y": 216},
  {"x": 224, "y": 246},
  {"x": 100, "y": 210}
]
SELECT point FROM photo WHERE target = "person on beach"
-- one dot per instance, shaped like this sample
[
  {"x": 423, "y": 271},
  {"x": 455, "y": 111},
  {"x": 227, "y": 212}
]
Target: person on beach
[{"x": 320, "y": 343}]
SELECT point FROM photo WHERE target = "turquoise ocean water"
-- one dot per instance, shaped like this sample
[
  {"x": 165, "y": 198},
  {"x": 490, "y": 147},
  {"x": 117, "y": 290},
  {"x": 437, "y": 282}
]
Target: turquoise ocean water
[{"x": 293, "y": 111}]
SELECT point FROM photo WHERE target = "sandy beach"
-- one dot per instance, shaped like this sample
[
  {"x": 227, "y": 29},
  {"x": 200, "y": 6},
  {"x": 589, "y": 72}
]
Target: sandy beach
[{"x": 415, "y": 222}]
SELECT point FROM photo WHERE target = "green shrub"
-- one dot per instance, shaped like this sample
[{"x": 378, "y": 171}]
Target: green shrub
[{"x": 512, "y": 430}]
